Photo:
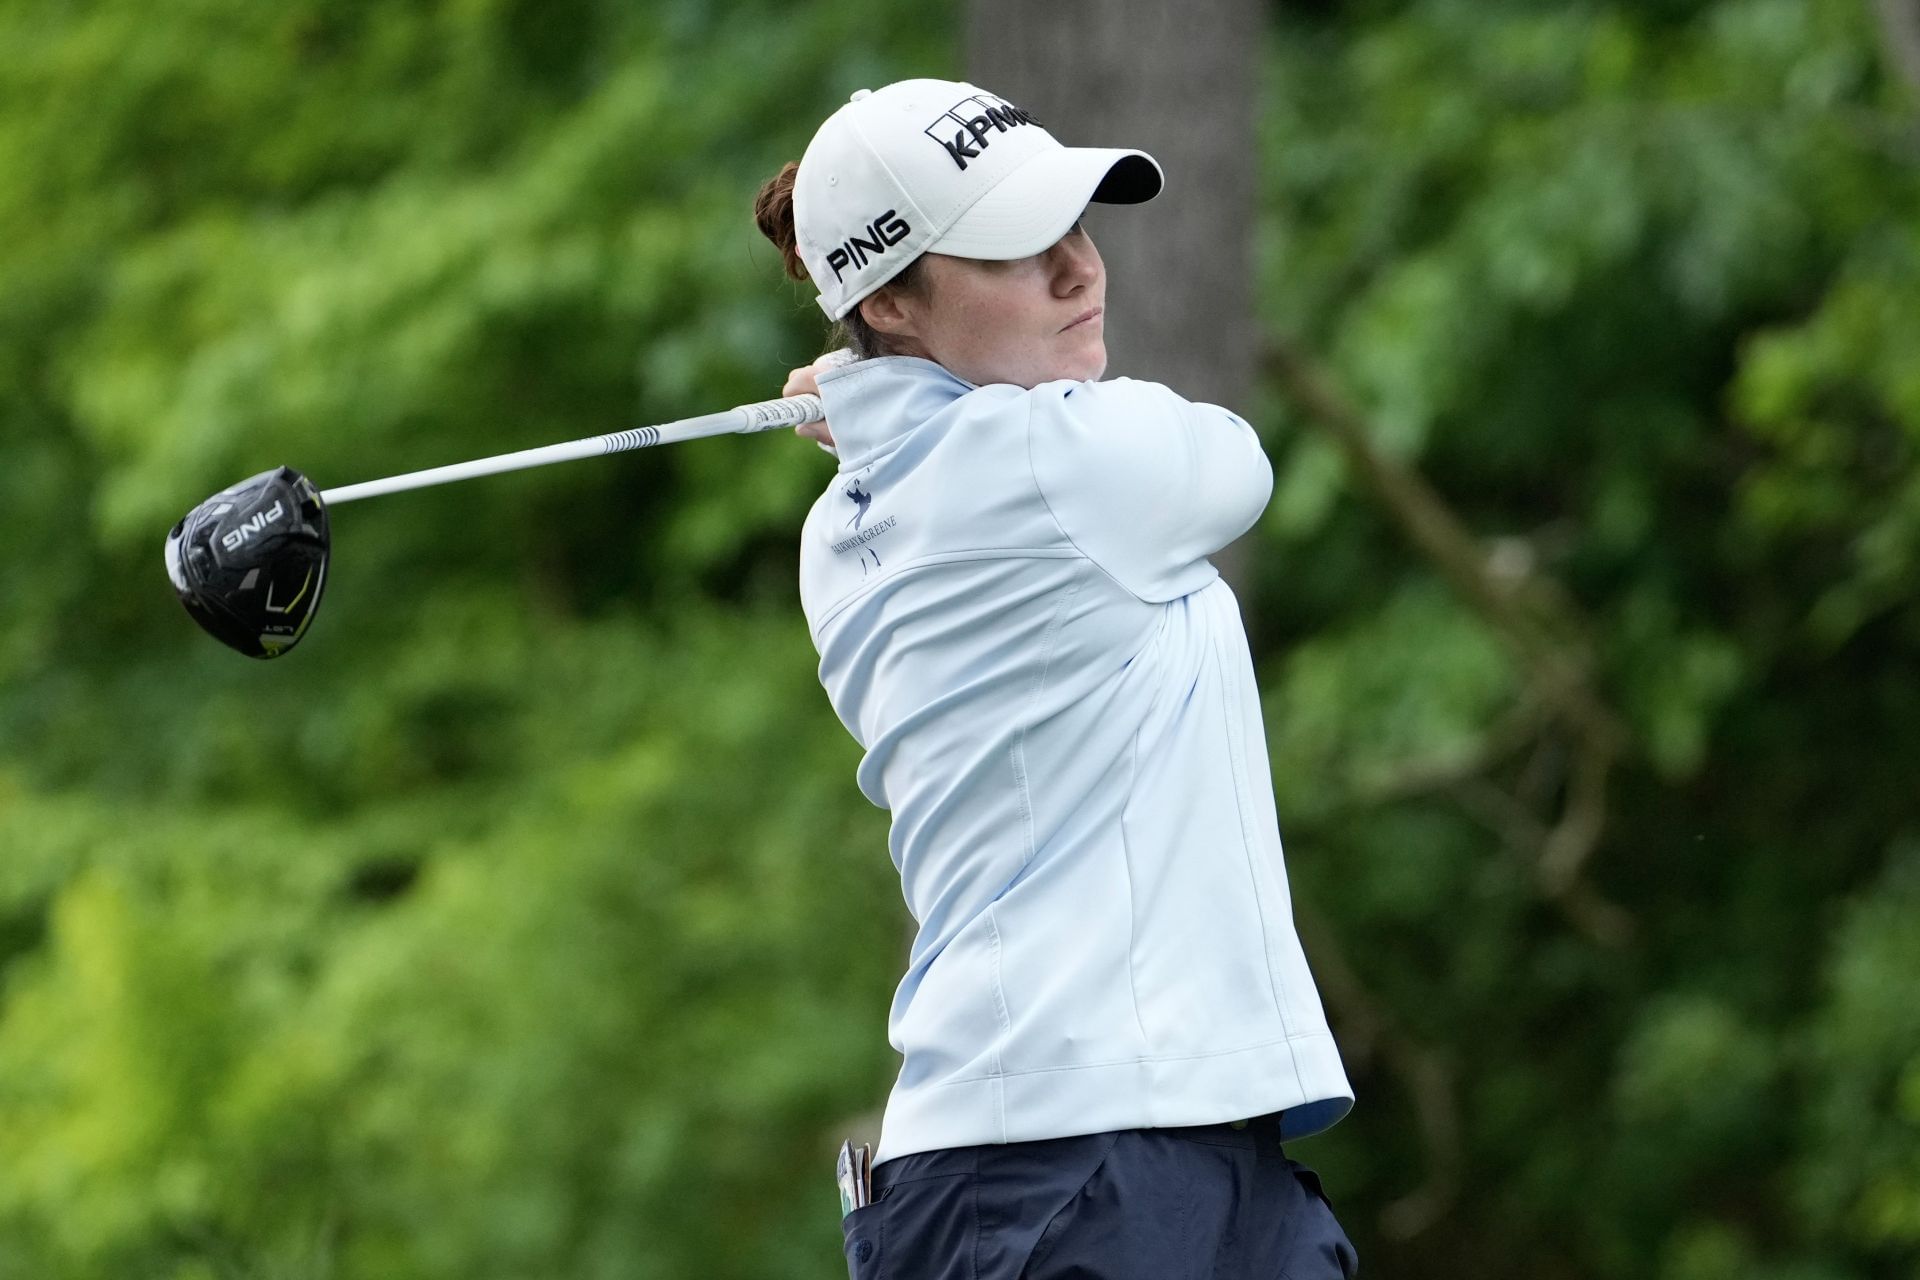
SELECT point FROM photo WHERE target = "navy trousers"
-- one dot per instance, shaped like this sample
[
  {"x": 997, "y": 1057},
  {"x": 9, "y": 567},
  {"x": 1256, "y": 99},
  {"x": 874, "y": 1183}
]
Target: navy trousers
[{"x": 1212, "y": 1202}]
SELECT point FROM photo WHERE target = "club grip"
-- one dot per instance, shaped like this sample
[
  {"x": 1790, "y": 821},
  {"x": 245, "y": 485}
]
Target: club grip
[{"x": 793, "y": 411}]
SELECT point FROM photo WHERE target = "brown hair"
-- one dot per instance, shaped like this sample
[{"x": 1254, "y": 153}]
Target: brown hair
[{"x": 773, "y": 211}]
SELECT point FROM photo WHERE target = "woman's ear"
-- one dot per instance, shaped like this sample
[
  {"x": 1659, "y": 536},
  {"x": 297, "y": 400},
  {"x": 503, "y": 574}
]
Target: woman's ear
[{"x": 886, "y": 311}]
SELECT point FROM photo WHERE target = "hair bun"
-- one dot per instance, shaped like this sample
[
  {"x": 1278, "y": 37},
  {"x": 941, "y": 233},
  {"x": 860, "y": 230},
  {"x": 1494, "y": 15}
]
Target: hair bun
[{"x": 773, "y": 211}]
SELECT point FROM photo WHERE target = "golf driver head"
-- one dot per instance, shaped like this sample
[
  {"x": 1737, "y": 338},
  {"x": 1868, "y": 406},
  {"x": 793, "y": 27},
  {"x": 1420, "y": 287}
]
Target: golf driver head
[{"x": 250, "y": 562}]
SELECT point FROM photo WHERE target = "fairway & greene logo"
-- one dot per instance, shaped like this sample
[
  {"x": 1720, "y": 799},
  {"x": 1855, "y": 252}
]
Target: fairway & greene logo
[{"x": 862, "y": 500}]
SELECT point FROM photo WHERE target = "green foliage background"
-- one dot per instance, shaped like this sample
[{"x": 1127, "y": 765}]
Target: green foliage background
[{"x": 527, "y": 922}]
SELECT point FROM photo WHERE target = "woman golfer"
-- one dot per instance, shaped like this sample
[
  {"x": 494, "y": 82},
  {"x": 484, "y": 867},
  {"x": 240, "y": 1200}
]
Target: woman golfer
[{"x": 1107, "y": 1025}]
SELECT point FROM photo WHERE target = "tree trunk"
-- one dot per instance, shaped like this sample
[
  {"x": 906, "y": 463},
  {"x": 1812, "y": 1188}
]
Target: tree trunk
[
  {"x": 1900, "y": 34},
  {"x": 1176, "y": 81}
]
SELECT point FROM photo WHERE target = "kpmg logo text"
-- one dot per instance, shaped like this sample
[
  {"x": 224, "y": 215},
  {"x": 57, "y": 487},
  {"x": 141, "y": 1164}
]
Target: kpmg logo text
[{"x": 969, "y": 126}]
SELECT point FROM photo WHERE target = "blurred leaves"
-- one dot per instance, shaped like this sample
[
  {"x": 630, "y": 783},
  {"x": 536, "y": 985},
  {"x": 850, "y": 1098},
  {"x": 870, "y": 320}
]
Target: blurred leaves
[
  {"x": 273, "y": 1034},
  {"x": 529, "y": 905},
  {"x": 1631, "y": 290}
]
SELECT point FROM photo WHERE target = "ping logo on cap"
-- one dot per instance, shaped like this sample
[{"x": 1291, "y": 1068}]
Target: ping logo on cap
[
  {"x": 870, "y": 241},
  {"x": 963, "y": 128}
]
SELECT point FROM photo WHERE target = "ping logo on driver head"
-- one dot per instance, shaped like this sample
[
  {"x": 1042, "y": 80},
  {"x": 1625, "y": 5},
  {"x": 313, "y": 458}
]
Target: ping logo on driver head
[
  {"x": 967, "y": 127},
  {"x": 237, "y": 537},
  {"x": 870, "y": 241}
]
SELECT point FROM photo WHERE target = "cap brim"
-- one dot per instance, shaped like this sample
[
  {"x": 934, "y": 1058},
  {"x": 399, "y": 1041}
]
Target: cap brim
[{"x": 1031, "y": 208}]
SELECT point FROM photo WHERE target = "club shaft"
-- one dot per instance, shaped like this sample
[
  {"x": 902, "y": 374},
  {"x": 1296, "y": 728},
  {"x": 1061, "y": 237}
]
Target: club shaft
[{"x": 765, "y": 415}]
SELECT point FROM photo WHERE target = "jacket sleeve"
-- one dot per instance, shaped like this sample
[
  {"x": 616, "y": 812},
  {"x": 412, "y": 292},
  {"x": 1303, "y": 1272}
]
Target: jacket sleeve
[{"x": 1147, "y": 485}]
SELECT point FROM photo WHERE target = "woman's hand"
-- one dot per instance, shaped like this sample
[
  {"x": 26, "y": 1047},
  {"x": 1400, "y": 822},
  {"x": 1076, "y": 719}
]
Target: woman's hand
[{"x": 806, "y": 381}]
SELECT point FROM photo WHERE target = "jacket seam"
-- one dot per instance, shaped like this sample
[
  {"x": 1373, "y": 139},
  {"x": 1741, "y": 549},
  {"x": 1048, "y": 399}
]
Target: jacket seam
[
  {"x": 1236, "y": 754},
  {"x": 1040, "y": 490},
  {"x": 1123, "y": 1062},
  {"x": 1126, "y": 865},
  {"x": 944, "y": 557},
  {"x": 1018, "y": 751}
]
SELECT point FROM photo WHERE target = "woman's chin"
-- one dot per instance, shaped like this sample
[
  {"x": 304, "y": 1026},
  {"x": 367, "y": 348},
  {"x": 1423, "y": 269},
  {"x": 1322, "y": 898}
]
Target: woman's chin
[
  {"x": 1088, "y": 369},
  {"x": 1085, "y": 364}
]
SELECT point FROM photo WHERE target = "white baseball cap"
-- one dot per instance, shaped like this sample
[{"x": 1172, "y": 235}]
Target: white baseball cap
[{"x": 944, "y": 167}]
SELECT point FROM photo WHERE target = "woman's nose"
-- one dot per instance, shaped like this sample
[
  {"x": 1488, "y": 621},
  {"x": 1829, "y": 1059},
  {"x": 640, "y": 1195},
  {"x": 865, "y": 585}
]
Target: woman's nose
[{"x": 1076, "y": 262}]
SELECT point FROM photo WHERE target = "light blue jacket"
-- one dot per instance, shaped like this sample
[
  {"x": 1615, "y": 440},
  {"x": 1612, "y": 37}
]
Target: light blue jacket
[{"x": 1017, "y": 621}]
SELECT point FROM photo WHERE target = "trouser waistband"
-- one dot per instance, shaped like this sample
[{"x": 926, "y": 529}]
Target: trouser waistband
[{"x": 1250, "y": 1132}]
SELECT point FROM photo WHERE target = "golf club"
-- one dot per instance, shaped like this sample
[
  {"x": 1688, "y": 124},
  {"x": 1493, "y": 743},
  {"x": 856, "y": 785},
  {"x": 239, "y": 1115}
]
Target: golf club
[{"x": 250, "y": 563}]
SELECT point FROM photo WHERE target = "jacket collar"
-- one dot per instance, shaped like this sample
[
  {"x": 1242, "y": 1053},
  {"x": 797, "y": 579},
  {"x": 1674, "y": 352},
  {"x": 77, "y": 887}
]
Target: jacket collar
[{"x": 871, "y": 404}]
